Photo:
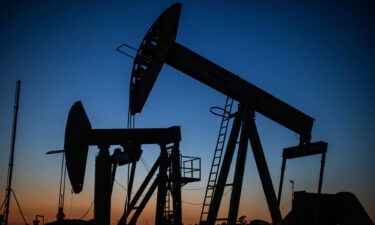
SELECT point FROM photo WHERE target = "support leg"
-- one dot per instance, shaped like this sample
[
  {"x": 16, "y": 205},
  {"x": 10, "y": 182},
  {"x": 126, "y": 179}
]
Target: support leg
[
  {"x": 264, "y": 172},
  {"x": 239, "y": 171},
  {"x": 162, "y": 188},
  {"x": 102, "y": 198},
  {"x": 176, "y": 185},
  {"x": 322, "y": 162},
  {"x": 281, "y": 181}
]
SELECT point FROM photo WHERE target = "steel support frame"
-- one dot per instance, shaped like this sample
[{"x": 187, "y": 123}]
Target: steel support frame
[
  {"x": 245, "y": 118},
  {"x": 239, "y": 171},
  {"x": 264, "y": 173},
  {"x": 162, "y": 163},
  {"x": 138, "y": 194}
]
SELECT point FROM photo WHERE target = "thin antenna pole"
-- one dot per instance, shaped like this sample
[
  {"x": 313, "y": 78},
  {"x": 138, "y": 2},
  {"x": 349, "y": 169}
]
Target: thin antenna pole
[{"x": 11, "y": 158}]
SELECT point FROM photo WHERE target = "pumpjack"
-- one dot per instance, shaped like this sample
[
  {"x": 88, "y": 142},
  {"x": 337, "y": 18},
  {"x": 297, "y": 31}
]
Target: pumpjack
[
  {"x": 158, "y": 47},
  {"x": 170, "y": 164}
]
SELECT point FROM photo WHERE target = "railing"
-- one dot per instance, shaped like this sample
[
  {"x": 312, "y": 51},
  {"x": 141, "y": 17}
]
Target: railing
[{"x": 190, "y": 167}]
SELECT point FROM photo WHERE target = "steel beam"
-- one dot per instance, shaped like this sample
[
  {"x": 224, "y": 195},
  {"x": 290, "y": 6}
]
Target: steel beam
[
  {"x": 136, "y": 136},
  {"x": 239, "y": 89}
]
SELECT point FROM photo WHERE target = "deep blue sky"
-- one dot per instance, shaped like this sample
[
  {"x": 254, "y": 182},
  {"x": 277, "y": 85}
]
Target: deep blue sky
[{"x": 317, "y": 57}]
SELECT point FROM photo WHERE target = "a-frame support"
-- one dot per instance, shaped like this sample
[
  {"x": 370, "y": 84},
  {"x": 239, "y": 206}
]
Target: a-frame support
[
  {"x": 166, "y": 162},
  {"x": 245, "y": 120}
]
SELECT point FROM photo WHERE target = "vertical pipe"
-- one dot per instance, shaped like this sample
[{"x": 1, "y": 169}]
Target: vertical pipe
[
  {"x": 322, "y": 162},
  {"x": 60, "y": 214},
  {"x": 162, "y": 187},
  {"x": 102, "y": 195},
  {"x": 281, "y": 181},
  {"x": 176, "y": 184},
  {"x": 11, "y": 158}
]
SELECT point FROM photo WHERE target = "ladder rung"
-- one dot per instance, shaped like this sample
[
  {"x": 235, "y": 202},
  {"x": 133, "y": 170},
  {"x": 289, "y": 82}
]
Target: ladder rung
[
  {"x": 221, "y": 219},
  {"x": 229, "y": 184}
]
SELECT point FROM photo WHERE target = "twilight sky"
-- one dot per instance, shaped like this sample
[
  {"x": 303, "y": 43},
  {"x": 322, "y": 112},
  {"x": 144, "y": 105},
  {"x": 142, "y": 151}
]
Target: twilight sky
[{"x": 316, "y": 57}]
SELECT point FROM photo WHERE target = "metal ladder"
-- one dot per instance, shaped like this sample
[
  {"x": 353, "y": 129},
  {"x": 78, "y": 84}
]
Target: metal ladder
[
  {"x": 167, "y": 207},
  {"x": 212, "y": 179}
]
